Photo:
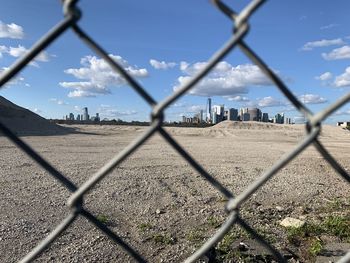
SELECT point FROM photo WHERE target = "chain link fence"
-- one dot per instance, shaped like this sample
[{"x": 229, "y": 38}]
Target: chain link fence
[{"x": 240, "y": 21}]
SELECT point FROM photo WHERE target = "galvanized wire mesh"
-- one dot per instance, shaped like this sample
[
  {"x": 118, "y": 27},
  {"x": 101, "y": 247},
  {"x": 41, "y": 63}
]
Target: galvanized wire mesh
[{"x": 240, "y": 21}]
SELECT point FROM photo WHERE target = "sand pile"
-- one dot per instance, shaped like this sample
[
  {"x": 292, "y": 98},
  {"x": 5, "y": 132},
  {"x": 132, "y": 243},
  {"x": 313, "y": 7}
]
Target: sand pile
[
  {"x": 255, "y": 125},
  {"x": 237, "y": 128},
  {"x": 24, "y": 122}
]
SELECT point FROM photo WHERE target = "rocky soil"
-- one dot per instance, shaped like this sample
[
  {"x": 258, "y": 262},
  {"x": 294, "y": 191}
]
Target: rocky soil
[{"x": 161, "y": 206}]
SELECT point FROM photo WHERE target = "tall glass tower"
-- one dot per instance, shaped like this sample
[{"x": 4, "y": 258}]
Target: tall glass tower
[
  {"x": 85, "y": 114},
  {"x": 208, "y": 110}
]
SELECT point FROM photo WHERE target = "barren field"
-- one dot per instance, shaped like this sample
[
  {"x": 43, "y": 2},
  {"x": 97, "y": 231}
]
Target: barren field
[{"x": 161, "y": 206}]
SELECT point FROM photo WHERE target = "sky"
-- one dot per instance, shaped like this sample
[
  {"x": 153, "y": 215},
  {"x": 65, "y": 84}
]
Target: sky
[{"x": 162, "y": 44}]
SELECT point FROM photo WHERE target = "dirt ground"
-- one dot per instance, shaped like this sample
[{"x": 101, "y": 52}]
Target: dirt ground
[{"x": 156, "y": 201}]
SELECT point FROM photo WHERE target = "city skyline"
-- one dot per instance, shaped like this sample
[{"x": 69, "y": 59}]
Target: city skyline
[
  {"x": 218, "y": 113},
  {"x": 312, "y": 57}
]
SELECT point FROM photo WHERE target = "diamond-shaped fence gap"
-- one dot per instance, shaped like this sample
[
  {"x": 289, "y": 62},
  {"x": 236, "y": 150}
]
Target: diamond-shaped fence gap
[
  {"x": 242, "y": 244},
  {"x": 332, "y": 136}
]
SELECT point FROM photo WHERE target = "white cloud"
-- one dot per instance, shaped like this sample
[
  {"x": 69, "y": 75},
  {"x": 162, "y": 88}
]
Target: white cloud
[
  {"x": 270, "y": 102},
  {"x": 342, "y": 112},
  {"x": 338, "y": 53},
  {"x": 21, "y": 50},
  {"x": 108, "y": 111},
  {"x": 3, "y": 49},
  {"x": 58, "y": 101},
  {"x": 312, "y": 99},
  {"x": 84, "y": 89},
  {"x": 329, "y": 26},
  {"x": 223, "y": 80},
  {"x": 324, "y": 76},
  {"x": 11, "y": 31},
  {"x": 14, "y": 81},
  {"x": 98, "y": 76},
  {"x": 238, "y": 98},
  {"x": 343, "y": 80},
  {"x": 161, "y": 64},
  {"x": 322, "y": 43}
]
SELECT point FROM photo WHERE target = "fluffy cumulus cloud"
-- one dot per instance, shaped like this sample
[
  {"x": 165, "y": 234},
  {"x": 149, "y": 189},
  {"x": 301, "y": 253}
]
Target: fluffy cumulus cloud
[
  {"x": 21, "y": 50},
  {"x": 269, "y": 102},
  {"x": 11, "y": 31},
  {"x": 338, "y": 53},
  {"x": 19, "y": 80},
  {"x": 343, "y": 80},
  {"x": 161, "y": 64},
  {"x": 322, "y": 43},
  {"x": 312, "y": 99},
  {"x": 108, "y": 111},
  {"x": 238, "y": 98},
  {"x": 96, "y": 76},
  {"x": 224, "y": 80},
  {"x": 325, "y": 76}
]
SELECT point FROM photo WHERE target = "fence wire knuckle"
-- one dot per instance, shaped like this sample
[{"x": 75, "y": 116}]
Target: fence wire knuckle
[{"x": 72, "y": 14}]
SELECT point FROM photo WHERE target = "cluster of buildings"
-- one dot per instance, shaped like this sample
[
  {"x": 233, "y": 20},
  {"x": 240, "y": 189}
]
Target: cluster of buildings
[
  {"x": 82, "y": 117},
  {"x": 218, "y": 113}
]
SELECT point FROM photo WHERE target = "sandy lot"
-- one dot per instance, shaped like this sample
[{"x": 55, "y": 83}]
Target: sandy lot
[{"x": 157, "y": 178}]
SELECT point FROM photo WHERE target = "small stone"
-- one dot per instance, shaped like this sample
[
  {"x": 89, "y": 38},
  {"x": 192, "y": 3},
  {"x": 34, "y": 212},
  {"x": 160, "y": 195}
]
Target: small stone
[
  {"x": 279, "y": 208},
  {"x": 292, "y": 222},
  {"x": 242, "y": 246},
  {"x": 158, "y": 212}
]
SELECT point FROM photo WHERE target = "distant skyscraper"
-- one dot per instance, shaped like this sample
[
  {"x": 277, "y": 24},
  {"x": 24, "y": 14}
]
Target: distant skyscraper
[
  {"x": 208, "y": 110},
  {"x": 219, "y": 110},
  {"x": 78, "y": 117},
  {"x": 255, "y": 114},
  {"x": 71, "y": 116},
  {"x": 232, "y": 114},
  {"x": 287, "y": 120},
  {"x": 85, "y": 114},
  {"x": 279, "y": 118},
  {"x": 242, "y": 111},
  {"x": 214, "y": 117},
  {"x": 245, "y": 116},
  {"x": 265, "y": 117}
]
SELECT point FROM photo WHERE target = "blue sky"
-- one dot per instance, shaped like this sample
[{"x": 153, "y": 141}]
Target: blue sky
[{"x": 163, "y": 43}]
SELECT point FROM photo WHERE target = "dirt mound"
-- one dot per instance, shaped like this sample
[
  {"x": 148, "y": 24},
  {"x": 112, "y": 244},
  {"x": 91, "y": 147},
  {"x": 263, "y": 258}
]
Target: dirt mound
[
  {"x": 24, "y": 122},
  {"x": 253, "y": 125}
]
